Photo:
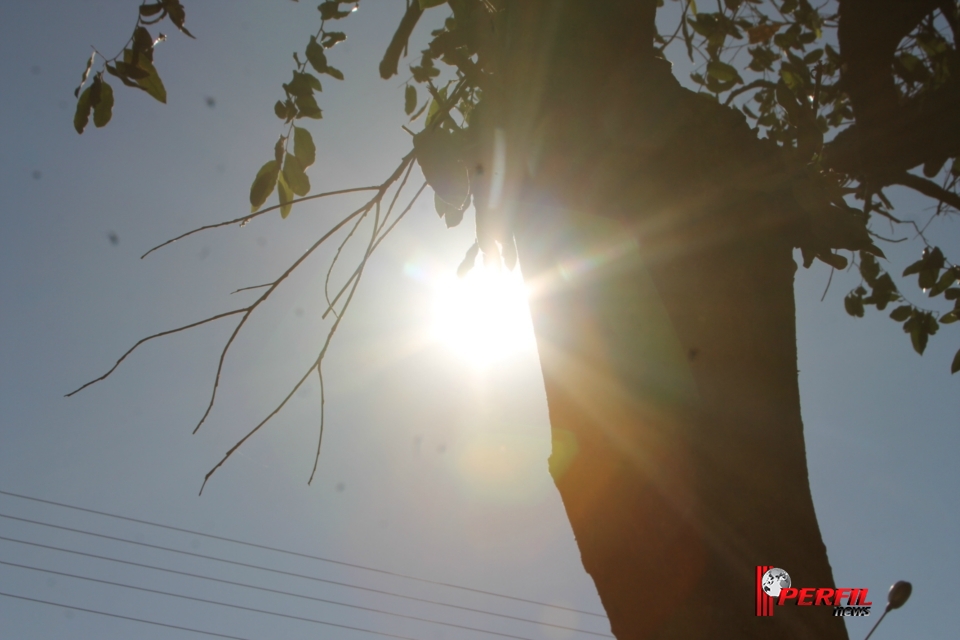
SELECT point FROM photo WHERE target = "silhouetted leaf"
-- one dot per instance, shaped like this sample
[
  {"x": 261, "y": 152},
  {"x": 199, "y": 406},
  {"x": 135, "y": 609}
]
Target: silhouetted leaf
[
  {"x": 307, "y": 106},
  {"x": 949, "y": 318},
  {"x": 331, "y": 38},
  {"x": 315, "y": 56},
  {"x": 723, "y": 71},
  {"x": 948, "y": 277},
  {"x": 438, "y": 153},
  {"x": 285, "y": 194},
  {"x": 334, "y": 73},
  {"x": 410, "y": 99},
  {"x": 151, "y": 82},
  {"x": 901, "y": 313},
  {"x": 330, "y": 10},
  {"x": 956, "y": 363},
  {"x": 86, "y": 74},
  {"x": 294, "y": 176},
  {"x": 177, "y": 14},
  {"x": 104, "y": 109},
  {"x": 303, "y": 147},
  {"x": 833, "y": 259},
  {"x": 82, "y": 115},
  {"x": 143, "y": 43},
  {"x": 263, "y": 184},
  {"x": 854, "y": 305}
]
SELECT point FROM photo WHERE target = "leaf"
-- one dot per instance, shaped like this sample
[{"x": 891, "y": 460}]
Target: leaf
[
  {"x": 303, "y": 147},
  {"x": 104, "y": 109},
  {"x": 303, "y": 84},
  {"x": 409, "y": 99},
  {"x": 834, "y": 260},
  {"x": 294, "y": 177},
  {"x": 331, "y": 38},
  {"x": 426, "y": 4},
  {"x": 143, "y": 42},
  {"x": 315, "y": 55},
  {"x": 468, "y": 260},
  {"x": 330, "y": 10},
  {"x": 263, "y": 184},
  {"x": 949, "y": 318},
  {"x": 956, "y": 363},
  {"x": 177, "y": 14},
  {"x": 946, "y": 280},
  {"x": 901, "y": 313},
  {"x": 918, "y": 338},
  {"x": 150, "y": 83},
  {"x": 913, "y": 268},
  {"x": 308, "y": 108},
  {"x": 86, "y": 74},
  {"x": 853, "y": 305},
  {"x": 723, "y": 71},
  {"x": 438, "y": 154},
  {"x": 284, "y": 192},
  {"x": 82, "y": 115},
  {"x": 334, "y": 73}
]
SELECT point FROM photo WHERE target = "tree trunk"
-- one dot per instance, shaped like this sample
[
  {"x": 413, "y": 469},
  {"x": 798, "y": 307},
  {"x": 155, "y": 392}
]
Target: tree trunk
[
  {"x": 678, "y": 445},
  {"x": 662, "y": 301}
]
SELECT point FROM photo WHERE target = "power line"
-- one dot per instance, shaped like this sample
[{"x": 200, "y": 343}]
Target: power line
[
  {"x": 233, "y": 606},
  {"x": 271, "y": 570},
  {"x": 298, "y": 554},
  {"x": 117, "y": 615},
  {"x": 295, "y": 595}
]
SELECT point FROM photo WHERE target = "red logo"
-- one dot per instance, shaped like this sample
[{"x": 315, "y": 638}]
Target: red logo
[{"x": 774, "y": 585}]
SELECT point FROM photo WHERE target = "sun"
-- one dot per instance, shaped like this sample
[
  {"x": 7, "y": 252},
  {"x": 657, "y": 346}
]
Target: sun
[{"x": 483, "y": 317}]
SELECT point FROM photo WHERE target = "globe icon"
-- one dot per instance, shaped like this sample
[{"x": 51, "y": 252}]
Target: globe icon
[{"x": 773, "y": 581}]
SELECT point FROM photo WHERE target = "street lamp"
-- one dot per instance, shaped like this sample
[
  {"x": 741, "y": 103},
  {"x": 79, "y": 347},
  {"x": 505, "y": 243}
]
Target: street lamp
[{"x": 898, "y": 595}]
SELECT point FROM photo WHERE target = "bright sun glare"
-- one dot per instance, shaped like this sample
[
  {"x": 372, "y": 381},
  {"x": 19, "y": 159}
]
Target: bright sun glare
[{"x": 483, "y": 317}]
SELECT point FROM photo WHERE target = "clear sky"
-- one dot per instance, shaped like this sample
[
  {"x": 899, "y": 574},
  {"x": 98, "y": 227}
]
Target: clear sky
[{"x": 434, "y": 461}]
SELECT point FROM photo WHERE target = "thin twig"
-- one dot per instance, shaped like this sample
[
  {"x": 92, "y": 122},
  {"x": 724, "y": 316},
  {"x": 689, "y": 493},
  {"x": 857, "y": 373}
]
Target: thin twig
[
  {"x": 156, "y": 335},
  {"x": 376, "y": 244},
  {"x": 381, "y": 190},
  {"x": 256, "y": 286},
  {"x": 250, "y": 217},
  {"x": 829, "y": 280}
]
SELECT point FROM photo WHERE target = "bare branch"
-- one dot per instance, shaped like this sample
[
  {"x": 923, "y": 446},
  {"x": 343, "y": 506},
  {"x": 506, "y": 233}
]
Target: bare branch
[
  {"x": 156, "y": 335},
  {"x": 381, "y": 190},
  {"x": 375, "y": 245},
  {"x": 256, "y": 286},
  {"x": 248, "y": 218}
]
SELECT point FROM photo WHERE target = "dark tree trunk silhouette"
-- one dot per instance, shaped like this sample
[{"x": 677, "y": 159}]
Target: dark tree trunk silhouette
[{"x": 649, "y": 223}]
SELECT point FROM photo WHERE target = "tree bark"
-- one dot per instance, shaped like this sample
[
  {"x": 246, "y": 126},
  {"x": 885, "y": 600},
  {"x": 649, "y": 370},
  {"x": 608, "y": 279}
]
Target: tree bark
[{"x": 662, "y": 301}]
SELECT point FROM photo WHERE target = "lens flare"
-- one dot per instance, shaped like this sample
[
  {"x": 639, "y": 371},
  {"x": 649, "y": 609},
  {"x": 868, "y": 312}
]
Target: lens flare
[{"x": 483, "y": 317}]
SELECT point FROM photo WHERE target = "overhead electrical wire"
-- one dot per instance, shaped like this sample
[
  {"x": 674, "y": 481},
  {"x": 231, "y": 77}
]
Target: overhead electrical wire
[
  {"x": 292, "y": 594},
  {"x": 117, "y": 615},
  {"x": 238, "y": 606},
  {"x": 299, "y": 554}
]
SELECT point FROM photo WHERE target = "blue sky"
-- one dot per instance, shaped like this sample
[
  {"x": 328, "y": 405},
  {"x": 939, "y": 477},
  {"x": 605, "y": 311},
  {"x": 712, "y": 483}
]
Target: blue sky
[{"x": 432, "y": 466}]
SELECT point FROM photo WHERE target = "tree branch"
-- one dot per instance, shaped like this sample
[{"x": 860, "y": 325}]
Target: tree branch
[
  {"x": 388, "y": 66},
  {"x": 928, "y": 188},
  {"x": 156, "y": 335},
  {"x": 245, "y": 219}
]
